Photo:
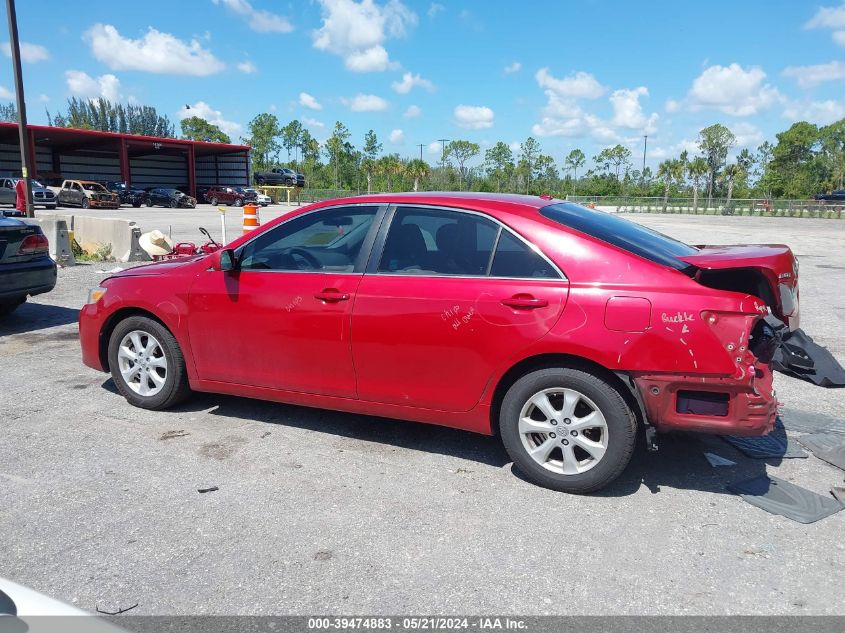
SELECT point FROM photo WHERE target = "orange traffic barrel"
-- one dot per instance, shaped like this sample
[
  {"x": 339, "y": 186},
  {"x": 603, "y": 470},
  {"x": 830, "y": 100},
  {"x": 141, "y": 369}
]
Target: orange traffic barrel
[{"x": 250, "y": 218}]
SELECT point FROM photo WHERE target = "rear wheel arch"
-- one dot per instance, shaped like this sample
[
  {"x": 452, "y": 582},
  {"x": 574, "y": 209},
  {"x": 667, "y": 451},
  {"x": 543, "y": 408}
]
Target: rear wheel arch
[{"x": 568, "y": 361}]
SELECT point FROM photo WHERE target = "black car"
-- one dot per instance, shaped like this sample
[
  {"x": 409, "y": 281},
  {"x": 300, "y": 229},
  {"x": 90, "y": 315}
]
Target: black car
[
  {"x": 249, "y": 194},
  {"x": 833, "y": 196},
  {"x": 173, "y": 198},
  {"x": 127, "y": 195},
  {"x": 26, "y": 268}
]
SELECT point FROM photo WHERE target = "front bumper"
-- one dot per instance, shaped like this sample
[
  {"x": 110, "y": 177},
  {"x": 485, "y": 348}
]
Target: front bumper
[
  {"x": 91, "y": 321},
  {"x": 27, "y": 278},
  {"x": 103, "y": 204}
]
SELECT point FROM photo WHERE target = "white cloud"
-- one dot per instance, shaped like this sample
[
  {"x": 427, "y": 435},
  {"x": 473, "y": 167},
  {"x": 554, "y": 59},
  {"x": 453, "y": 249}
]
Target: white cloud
[
  {"x": 366, "y": 103},
  {"x": 357, "y": 31},
  {"x": 747, "y": 135},
  {"x": 397, "y": 137},
  {"x": 30, "y": 53},
  {"x": 434, "y": 9},
  {"x": 672, "y": 106},
  {"x": 43, "y": 98},
  {"x": 81, "y": 84},
  {"x": 435, "y": 148},
  {"x": 155, "y": 52},
  {"x": 474, "y": 117},
  {"x": 313, "y": 122},
  {"x": 257, "y": 19},
  {"x": 512, "y": 68},
  {"x": 832, "y": 18},
  {"x": 5, "y": 93},
  {"x": 247, "y": 67},
  {"x": 409, "y": 80},
  {"x": 579, "y": 85},
  {"x": 732, "y": 90},
  {"x": 628, "y": 112},
  {"x": 809, "y": 76},
  {"x": 412, "y": 112},
  {"x": 205, "y": 111},
  {"x": 307, "y": 101},
  {"x": 818, "y": 112}
]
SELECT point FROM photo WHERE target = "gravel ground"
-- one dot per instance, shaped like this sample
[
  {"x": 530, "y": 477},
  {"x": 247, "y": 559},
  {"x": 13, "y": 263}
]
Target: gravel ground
[{"x": 322, "y": 512}]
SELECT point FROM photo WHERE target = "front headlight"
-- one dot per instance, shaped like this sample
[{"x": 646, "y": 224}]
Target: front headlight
[{"x": 95, "y": 294}]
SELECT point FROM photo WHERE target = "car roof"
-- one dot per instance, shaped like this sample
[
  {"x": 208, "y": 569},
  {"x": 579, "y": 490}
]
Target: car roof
[{"x": 517, "y": 204}]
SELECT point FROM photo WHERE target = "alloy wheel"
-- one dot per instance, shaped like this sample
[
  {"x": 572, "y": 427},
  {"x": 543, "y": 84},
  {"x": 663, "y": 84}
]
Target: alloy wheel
[{"x": 142, "y": 363}]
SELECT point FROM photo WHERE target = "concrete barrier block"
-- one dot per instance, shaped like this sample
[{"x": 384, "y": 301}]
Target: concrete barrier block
[
  {"x": 59, "y": 237},
  {"x": 92, "y": 233}
]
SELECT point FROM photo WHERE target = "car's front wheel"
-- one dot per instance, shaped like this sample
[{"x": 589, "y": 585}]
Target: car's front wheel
[
  {"x": 147, "y": 364},
  {"x": 86, "y": 204},
  {"x": 214, "y": 202},
  {"x": 567, "y": 429}
]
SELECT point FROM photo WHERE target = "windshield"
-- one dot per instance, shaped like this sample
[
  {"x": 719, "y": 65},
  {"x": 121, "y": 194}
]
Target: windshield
[
  {"x": 621, "y": 233},
  {"x": 93, "y": 186}
]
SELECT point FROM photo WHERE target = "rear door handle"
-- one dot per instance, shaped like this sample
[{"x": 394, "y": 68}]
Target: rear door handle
[
  {"x": 331, "y": 295},
  {"x": 525, "y": 302}
]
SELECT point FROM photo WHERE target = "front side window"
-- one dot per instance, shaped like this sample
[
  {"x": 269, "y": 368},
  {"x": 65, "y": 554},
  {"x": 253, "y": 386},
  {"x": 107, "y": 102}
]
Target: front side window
[
  {"x": 434, "y": 241},
  {"x": 323, "y": 241}
]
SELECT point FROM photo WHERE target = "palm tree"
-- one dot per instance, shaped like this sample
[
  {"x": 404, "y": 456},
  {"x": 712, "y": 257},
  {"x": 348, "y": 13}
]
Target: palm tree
[
  {"x": 390, "y": 166},
  {"x": 417, "y": 169},
  {"x": 669, "y": 171},
  {"x": 575, "y": 160},
  {"x": 729, "y": 174},
  {"x": 697, "y": 169}
]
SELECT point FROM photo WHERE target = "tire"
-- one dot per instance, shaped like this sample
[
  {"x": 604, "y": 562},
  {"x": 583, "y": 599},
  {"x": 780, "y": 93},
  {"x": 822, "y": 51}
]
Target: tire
[
  {"x": 174, "y": 204},
  {"x": 239, "y": 202},
  {"x": 7, "y": 306},
  {"x": 566, "y": 464},
  {"x": 136, "y": 204},
  {"x": 142, "y": 333},
  {"x": 149, "y": 203},
  {"x": 86, "y": 203},
  {"x": 52, "y": 207},
  {"x": 214, "y": 202},
  {"x": 259, "y": 181}
]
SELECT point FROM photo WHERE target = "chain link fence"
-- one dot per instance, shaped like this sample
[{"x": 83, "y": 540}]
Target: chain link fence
[{"x": 717, "y": 206}]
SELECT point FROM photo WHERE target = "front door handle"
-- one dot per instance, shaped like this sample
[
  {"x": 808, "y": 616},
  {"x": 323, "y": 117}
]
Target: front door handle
[
  {"x": 525, "y": 302},
  {"x": 332, "y": 295}
]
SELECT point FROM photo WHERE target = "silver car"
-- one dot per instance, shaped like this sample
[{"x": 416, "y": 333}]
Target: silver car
[{"x": 41, "y": 196}]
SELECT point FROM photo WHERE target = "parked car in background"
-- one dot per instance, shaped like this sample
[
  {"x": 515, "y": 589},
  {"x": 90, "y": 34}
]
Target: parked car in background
[
  {"x": 249, "y": 194},
  {"x": 41, "y": 196},
  {"x": 833, "y": 196},
  {"x": 560, "y": 329},
  {"x": 201, "y": 191},
  {"x": 26, "y": 268},
  {"x": 226, "y": 195},
  {"x": 127, "y": 195},
  {"x": 261, "y": 198},
  {"x": 168, "y": 197},
  {"x": 277, "y": 176},
  {"x": 87, "y": 194}
]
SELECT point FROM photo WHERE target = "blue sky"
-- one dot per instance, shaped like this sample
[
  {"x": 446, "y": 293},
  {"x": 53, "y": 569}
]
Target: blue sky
[{"x": 584, "y": 74}]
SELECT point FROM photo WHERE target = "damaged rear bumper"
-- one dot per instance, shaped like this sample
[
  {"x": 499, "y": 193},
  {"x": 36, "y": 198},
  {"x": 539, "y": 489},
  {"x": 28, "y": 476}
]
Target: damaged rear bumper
[{"x": 731, "y": 406}]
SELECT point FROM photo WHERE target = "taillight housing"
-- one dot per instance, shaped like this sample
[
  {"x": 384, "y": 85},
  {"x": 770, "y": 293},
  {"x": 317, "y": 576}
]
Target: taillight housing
[{"x": 35, "y": 244}]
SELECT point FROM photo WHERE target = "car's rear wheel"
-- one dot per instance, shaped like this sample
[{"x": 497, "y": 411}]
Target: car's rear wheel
[
  {"x": 147, "y": 364},
  {"x": 259, "y": 181},
  {"x": 7, "y": 306},
  {"x": 567, "y": 429}
]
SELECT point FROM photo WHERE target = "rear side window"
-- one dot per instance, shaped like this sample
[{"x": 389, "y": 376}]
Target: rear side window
[
  {"x": 435, "y": 241},
  {"x": 619, "y": 232},
  {"x": 514, "y": 258}
]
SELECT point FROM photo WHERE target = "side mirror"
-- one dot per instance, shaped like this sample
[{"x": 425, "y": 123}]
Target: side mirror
[{"x": 223, "y": 260}]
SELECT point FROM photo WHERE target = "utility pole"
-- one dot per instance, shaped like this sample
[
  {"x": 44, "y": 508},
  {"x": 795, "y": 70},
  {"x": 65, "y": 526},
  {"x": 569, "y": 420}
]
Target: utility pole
[
  {"x": 645, "y": 147},
  {"x": 23, "y": 135},
  {"x": 443, "y": 142},
  {"x": 421, "y": 148}
]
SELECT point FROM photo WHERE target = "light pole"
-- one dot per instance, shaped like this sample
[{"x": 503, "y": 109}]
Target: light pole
[
  {"x": 421, "y": 149},
  {"x": 23, "y": 136}
]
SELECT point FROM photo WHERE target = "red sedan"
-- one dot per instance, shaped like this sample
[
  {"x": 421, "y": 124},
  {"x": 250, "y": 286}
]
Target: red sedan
[{"x": 561, "y": 329}]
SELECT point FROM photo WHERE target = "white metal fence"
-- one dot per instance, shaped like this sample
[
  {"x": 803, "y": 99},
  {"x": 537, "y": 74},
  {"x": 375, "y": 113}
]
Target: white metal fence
[{"x": 718, "y": 206}]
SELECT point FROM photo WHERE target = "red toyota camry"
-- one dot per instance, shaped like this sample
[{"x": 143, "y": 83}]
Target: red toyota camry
[{"x": 560, "y": 328}]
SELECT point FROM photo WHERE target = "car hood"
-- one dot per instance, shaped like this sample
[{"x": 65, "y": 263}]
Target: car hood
[{"x": 158, "y": 268}]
